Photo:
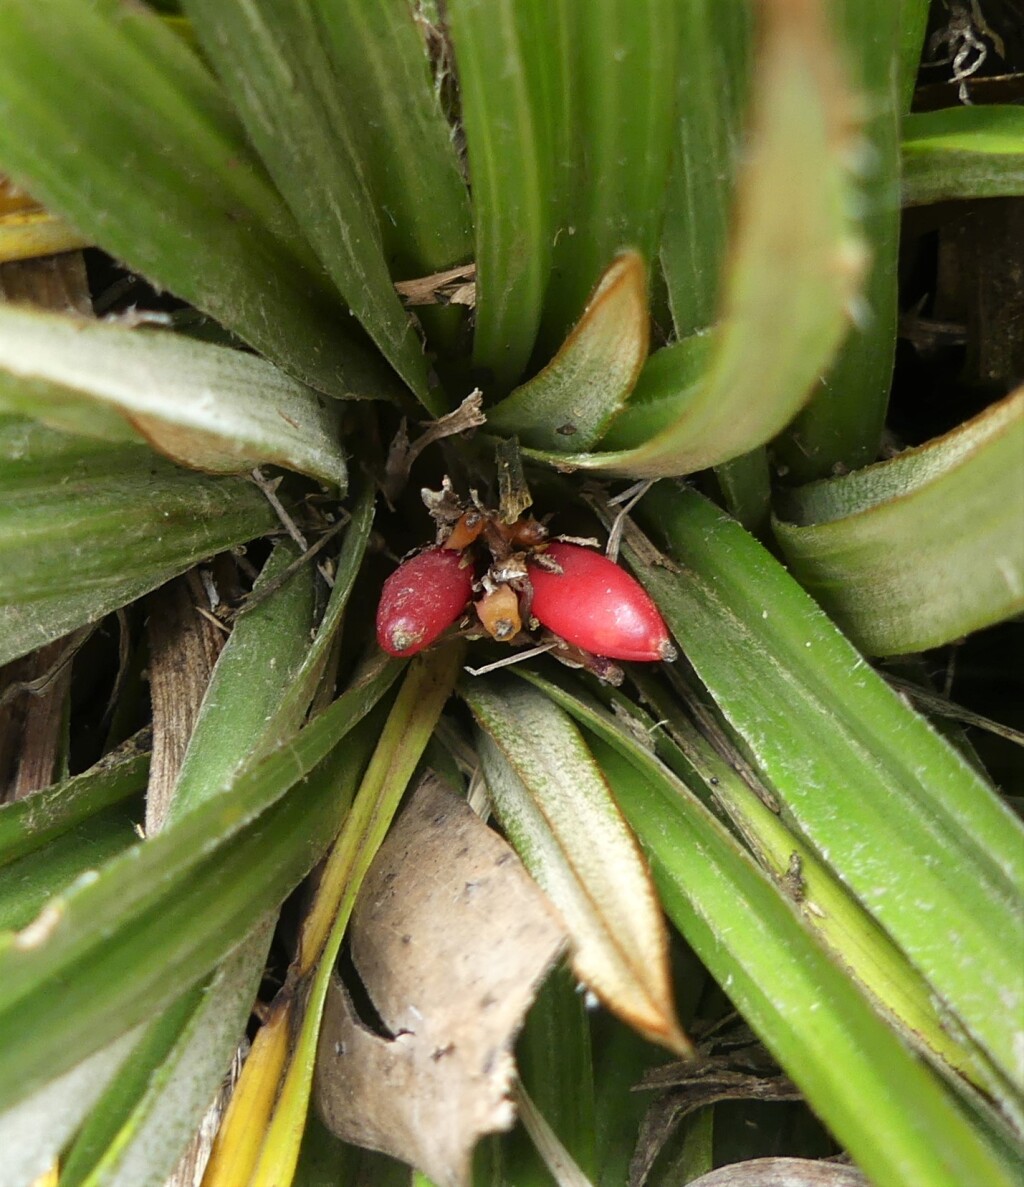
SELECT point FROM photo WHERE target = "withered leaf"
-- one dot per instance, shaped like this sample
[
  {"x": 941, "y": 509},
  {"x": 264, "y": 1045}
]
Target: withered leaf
[
  {"x": 732, "y": 1066},
  {"x": 451, "y": 939}
]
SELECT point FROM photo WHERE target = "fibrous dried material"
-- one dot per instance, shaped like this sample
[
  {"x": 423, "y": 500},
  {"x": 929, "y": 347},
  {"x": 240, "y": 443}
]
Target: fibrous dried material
[{"x": 451, "y": 939}]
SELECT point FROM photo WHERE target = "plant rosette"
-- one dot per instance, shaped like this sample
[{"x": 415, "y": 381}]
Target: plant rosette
[{"x": 525, "y": 587}]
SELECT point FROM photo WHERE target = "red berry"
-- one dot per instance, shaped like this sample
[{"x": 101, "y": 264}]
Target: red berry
[
  {"x": 420, "y": 599},
  {"x": 596, "y": 605}
]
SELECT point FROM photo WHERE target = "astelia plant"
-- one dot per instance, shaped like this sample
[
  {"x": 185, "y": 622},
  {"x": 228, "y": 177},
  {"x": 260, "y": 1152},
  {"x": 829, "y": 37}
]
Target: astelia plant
[{"x": 660, "y": 239}]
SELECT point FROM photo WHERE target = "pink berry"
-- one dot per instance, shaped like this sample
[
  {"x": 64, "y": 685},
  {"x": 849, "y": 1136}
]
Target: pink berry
[
  {"x": 595, "y": 605},
  {"x": 421, "y": 598}
]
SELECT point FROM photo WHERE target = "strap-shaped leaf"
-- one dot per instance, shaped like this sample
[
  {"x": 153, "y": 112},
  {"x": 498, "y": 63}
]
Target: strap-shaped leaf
[
  {"x": 170, "y": 910},
  {"x": 893, "y": 808},
  {"x": 672, "y": 378},
  {"x": 963, "y": 152},
  {"x": 555, "y": 1064},
  {"x": 37, "y": 1129},
  {"x": 403, "y": 141},
  {"x": 279, "y": 1088},
  {"x": 144, "y": 1122},
  {"x": 706, "y": 152},
  {"x": 272, "y": 61},
  {"x": 511, "y": 59},
  {"x": 254, "y": 671},
  {"x": 842, "y": 423},
  {"x": 818, "y": 894},
  {"x": 576, "y": 396},
  {"x": 28, "y": 883},
  {"x": 555, "y": 805},
  {"x": 141, "y": 1127},
  {"x": 94, "y": 94},
  {"x": 792, "y": 220},
  {"x": 921, "y": 549},
  {"x": 86, "y": 527},
  {"x": 299, "y": 692},
  {"x": 623, "y": 61},
  {"x": 34, "y": 821},
  {"x": 898, "y": 1122},
  {"x": 203, "y": 406}
]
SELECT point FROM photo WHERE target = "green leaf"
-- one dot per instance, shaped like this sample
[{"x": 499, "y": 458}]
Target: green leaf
[
  {"x": 136, "y": 1135},
  {"x": 745, "y": 483},
  {"x": 819, "y": 896},
  {"x": 621, "y": 1058},
  {"x": 203, "y": 406},
  {"x": 924, "y": 548},
  {"x": 36, "y": 1130},
  {"x": 671, "y": 380},
  {"x": 896, "y": 1119},
  {"x": 792, "y": 219},
  {"x": 427, "y": 685},
  {"x": 574, "y": 399},
  {"x": 553, "y": 1058},
  {"x": 299, "y": 693},
  {"x": 712, "y": 88},
  {"x": 510, "y": 61},
  {"x": 913, "y": 23},
  {"x": 157, "y": 919},
  {"x": 104, "y": 1120},
  {"x": 555, "y": 806},
  {"x": 894, "y": 810},
  {"x": 963, "y": 152},
  {"x": 139, "y": 1130},
  {"x": 623, "y": 72},
  {"x": 110, "y": 119},
  {"x": 400, "y": 135},
  {"x": 30, "y": 823},
  {"x": 28, "y": 883},
  {"x": 842, "y": 424},
  {"x": 86, "y": 528},
  {"x": 777, "y": 975},
  {"x": 272, "y": 61},
  {"x": 255, "y": 669}
]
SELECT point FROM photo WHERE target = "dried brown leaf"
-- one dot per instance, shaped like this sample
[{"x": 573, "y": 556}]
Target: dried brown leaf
[
  {"x": 451, "y": 938},
  {"x": 455, "y": 286},
  {"x": 183, "y": 648},
  {"x": 733, "y": 1066},
  {"x": 34, "y": 689}
]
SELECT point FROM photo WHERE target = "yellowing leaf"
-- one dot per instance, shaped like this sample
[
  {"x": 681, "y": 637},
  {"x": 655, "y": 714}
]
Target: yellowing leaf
[
  {"x": 25, "y": 234},
  {"x": 240, "y": 1138}
]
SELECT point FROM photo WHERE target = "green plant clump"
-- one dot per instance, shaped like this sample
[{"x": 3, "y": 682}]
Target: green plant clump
[{"x": 629, "y": 270}]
